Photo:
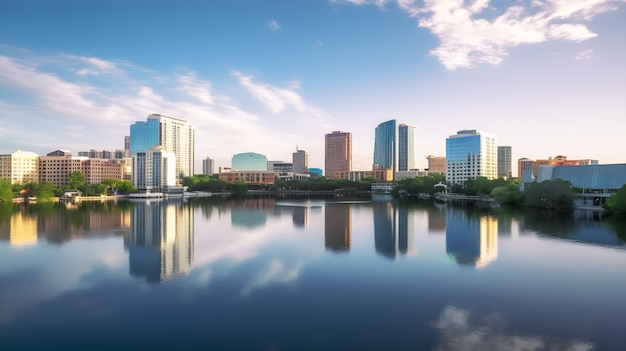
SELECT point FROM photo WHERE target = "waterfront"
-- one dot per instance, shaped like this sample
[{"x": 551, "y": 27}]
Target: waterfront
[{"x": 294, "y": 274}]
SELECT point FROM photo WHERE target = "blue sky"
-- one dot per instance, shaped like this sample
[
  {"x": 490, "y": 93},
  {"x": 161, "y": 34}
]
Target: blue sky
[{"x": 545, "y": 76}]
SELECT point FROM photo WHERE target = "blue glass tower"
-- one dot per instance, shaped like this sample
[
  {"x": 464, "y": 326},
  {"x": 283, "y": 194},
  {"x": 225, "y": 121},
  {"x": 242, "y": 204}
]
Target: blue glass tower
[
  {"x": 386, "y": 145},
  {"x": 144, "y": 135}
]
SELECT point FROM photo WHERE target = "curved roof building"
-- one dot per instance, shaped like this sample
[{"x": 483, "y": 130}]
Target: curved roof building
[{"x": 249, "y": 161}]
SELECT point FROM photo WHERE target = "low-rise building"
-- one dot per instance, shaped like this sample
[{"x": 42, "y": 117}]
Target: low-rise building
[
  {"x": 248, "y": 177},
  {"x": 594, "y": 182}
]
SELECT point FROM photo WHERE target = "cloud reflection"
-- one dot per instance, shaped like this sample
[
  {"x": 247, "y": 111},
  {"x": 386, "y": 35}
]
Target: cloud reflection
[{"x": 457, "y": 332}]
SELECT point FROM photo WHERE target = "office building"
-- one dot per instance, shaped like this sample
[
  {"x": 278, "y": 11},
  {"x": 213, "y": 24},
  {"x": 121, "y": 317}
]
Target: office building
[
  {"x": 249, "y": 161},
  {"x": 559, "y": 160},
  {"x": 338, "y": 153},
  {"x": 19, "y": 166},
  {"x": 436, "y": 164},
  {"x": 300, "y": 161},
  {"x": 208, "y": 166},
  {"x": 596, "y": 182},
  {"x": 154, "y": 170},
  {"x": 406, "y": 147},
  {"x": 248, "y": 177},
  {"x": 386, "y": 146},
  {"x": 525, "y": 169},
  {"x": 174, "y": 136},
  {"x": 127, "y": 146},
  {"x": 504, "y": 162},
  {"x": 394, "y": 146},
  {"x": 56, "y": 167},
  {"x": 470, "y": 154}
]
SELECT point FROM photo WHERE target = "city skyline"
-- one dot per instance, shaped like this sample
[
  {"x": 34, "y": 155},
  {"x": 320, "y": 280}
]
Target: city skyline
[{"x": 266, "y": 77}]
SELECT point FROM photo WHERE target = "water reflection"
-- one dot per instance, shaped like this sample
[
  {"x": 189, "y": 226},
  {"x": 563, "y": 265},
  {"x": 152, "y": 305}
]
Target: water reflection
[
  {"x": 471, "y": 239},
  {"x": 161, "y": 240},
  {"x": 458, "y": 331},
  {"x": 300, "y": 216},
  {"x": 23, "y": 230},
  {"x": 393, "y": 229},
  {"x": 338, "y": 227},
  {"x": 55, "y": 223},
  {"x": 437, "y": 218}
]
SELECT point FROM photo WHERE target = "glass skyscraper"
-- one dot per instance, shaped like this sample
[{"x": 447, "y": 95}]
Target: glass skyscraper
[
  {"x": 386, "y": 145},
  {"x": 470, "y": 154},
  {"x": 504, "y": 162},
  {"x": 406, "y": 147},
  {"x": 394, "y": 146},
  {"x": 173, "y": 135}
]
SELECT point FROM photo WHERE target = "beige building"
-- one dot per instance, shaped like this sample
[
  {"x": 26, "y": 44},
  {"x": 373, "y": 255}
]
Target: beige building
[
  {"x": 436, "y": 164},
  {"x": 338, "y": 154},
  {"x": 56, "y": 167},
  {"x": 249, "y": 177},
  {"x": 524, "y": 164},
  {"x": 19, "y": 166},
  {"x": 385, "y": 175}
]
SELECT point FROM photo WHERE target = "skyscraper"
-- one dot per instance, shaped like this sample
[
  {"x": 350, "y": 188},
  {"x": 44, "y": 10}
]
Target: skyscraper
[
  {"x": 386, "y": 146},
  {"x": 338, "y": 153},
  {"x": 394, "y": 146},
  {"x": 300, "y": 162},
  {"x": 208, "y": 166},
  {"x": 504, "y": 162},
  {"x": 470, "y": 154},
  {"x": 173, "y": 135},
  {"x": 406, "y": 147}
]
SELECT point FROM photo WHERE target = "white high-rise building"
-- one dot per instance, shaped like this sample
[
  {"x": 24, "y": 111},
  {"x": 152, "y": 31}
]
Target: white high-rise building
[
  {"x": 175, "y": 136},
  {"x": 470, "y": 154},
  {"x": 154, "y": 170},
  {"x": 19, "y": 166}
]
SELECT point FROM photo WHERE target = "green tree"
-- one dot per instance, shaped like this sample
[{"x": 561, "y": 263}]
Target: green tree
[
  {"x": 75, "y": 180},
  {"x": 125, "y": 187},
  {"x": 556, "y": 194},
  {"x": 6, "y": 190},
  {"x": 508, "y": 194},
  {"x": 43, "y": 191},
  {"x": 616, "y": 203}
]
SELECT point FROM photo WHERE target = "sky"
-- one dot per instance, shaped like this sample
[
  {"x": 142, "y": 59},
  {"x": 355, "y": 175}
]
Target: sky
[{"x": 546, "y": 77}]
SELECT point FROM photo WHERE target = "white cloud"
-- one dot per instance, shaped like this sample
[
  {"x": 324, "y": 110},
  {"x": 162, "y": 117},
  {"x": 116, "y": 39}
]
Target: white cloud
[
  {"x": 276, "y": 272},
  {"x": 274, "y": 25},
  {"x": 46, "y": 100},
  {"x": 474, "y": 32},
  {"x": 457, "y": 332},
  {"x": 584, "y": 55},
  {"x": 201, "y": 91},
  {"x": 274, "y": 98}
]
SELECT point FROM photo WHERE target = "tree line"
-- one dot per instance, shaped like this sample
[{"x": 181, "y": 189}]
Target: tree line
[{"x": 76, "y": 181}]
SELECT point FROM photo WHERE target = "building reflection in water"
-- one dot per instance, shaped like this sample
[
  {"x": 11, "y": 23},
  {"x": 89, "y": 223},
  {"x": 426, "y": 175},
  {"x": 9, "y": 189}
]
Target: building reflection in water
[
  {"x": 23, "y": 230},
  {"x": 471, "y": 239},
  {"x": 300, "y": 216},
  {"x": 338, "y": 227},
  {"x": 393, "y": 229},
  {"x": 161, "y": 240},
  {"x": 251, "y": 213},
  {"x": 437, "y": 219}
]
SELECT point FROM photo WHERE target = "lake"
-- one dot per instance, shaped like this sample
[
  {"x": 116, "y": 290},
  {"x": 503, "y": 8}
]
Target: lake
[{"x": 308, "y": 274}]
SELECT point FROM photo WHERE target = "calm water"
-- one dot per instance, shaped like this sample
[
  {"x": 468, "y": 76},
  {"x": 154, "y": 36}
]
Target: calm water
[{"x": 316, "y": 274}]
